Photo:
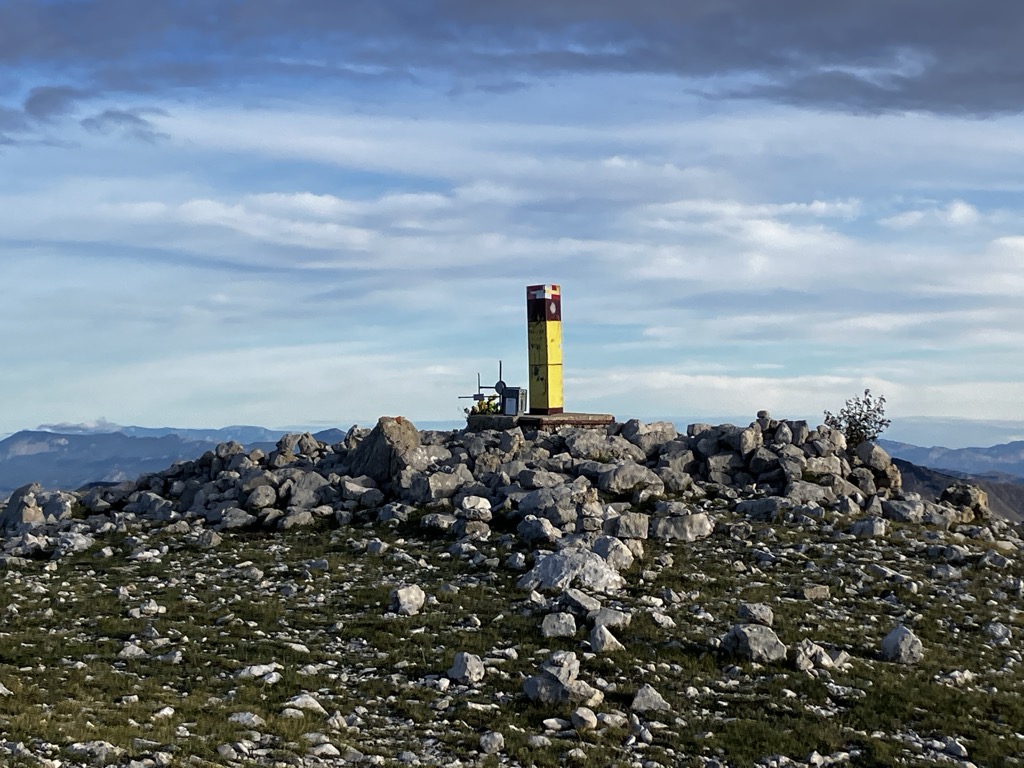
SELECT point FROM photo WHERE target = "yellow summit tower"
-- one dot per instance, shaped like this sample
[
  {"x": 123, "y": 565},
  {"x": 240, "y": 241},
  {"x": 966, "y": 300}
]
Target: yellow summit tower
[{"x": 544, "y": 338}]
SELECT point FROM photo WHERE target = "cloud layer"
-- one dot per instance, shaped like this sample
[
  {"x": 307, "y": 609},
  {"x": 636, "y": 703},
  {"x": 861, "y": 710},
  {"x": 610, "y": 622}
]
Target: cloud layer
[{"x": 301, "y": 214}]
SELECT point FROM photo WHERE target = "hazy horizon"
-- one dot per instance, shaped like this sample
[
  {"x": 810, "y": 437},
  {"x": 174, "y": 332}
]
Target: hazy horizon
[{"x": 923, "y": 432}]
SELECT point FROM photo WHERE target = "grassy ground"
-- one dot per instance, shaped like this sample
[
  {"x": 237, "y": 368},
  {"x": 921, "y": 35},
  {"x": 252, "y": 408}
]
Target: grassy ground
[{"x": 314, "y": 602}]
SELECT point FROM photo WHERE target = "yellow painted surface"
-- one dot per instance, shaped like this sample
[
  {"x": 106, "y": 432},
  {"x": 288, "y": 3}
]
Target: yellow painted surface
[
  {"x": 544, "y": 341},
  {"x": 546, "y": 387},
  {"x": 555, "y": 396}
]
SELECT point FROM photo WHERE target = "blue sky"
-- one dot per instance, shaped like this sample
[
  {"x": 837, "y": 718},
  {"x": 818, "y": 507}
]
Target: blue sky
[{"x": 316, "y": 212}]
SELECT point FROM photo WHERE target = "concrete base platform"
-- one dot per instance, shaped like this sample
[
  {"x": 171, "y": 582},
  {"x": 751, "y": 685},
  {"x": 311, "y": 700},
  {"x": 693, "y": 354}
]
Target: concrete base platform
[
  {"x": 556, "y": 420},
  {"x": 480, "y": 422}
]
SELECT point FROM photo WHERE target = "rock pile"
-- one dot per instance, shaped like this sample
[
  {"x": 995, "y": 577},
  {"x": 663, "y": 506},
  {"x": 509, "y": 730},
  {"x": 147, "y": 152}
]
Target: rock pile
[
  {"x": 611, "y": 543},
  {"x": 554, "y": 484}
]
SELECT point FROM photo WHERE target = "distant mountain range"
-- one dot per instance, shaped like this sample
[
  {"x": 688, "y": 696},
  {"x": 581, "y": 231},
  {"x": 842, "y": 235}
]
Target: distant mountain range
[
  {"x": 999, "y": 462},
  {"x": 68, "y": 456},
  {"x": 74, "y": 458},
  {"x": 72, "y": 455}
]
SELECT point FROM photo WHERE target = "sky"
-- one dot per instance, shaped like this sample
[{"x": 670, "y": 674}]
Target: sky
[{"x": 310, "y": 212}]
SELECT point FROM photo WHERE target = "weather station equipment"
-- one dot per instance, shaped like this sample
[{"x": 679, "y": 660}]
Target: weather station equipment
[{"x": 506, "y": 400}]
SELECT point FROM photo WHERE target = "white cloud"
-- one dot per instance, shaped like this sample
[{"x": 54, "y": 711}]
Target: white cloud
[
  {"x": 667, "y": 392},
  {"x": 956, "y": 213},
  {"x": 745, "y": 244}
]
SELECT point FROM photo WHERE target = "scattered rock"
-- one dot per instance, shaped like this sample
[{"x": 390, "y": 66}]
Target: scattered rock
[
  {"x": 902, "y": 646},
  {"x": 647, "y": 699},
  {"x": 467, "y": 668},
  {"x": 407, "y": 601},
  {"x": 754, "y": 642},
  {"x": 492, "y": 743}
]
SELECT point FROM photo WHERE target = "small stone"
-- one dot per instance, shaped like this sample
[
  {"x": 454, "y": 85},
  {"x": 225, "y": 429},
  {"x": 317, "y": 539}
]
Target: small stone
[
  {"x": 325, "y": 750},
  {"x": 492, "y": 742},
  {"x": 132, "y": 651},
  {"x": 902, "y": 646},
  {"x": 954, "y": 747},
  {"x": 603, "y": 641},
  {"x": 306, "y": 702},
  {"x": 584, "y": 719},
  {"x": 869, "y": 528},
  {"x": 467, "y": 669},
  {"x": 227, "y": 752},
  {"x": 754, "y": 642},
  {"x": 756, "y": 613},
  {"x": 558, "y": 625},
  {"x": 647, "y": 699},
  {"x": 247, "y": 719},
  {"x": 407, "y": 601},
  {"x": 815, "y": 592}
]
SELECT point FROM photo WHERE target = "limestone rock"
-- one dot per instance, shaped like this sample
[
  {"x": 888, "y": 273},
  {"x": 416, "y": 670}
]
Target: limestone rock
[
  {"x": 908, "y": 511},
  {"x": 467, "y": 668},
  {"x": 869, "y": 528},
  {"x": 630, "y": 477},
  {"x": 492, "y": 742},
  {"x": 583, "y": 719},
  {"x": 559, "y": 570},
  {"x": 390, "y": 447},
  {"x": 603, "y": 641},
  {"x": 682, "y": 527},
  {"x": 754, "y": 642},
  {"x": 902, "y": 646},
  {"x": 807, "y": 655},
  {"x": 874, "y": 456},
  {"x": 614, "y": 552},
  {"x": 595, "y": 446},
  {"x": 649, "y": 437},
  {"x": 407, "y": 601},
  {"x": 558, "y": 682},
  {"x": 756, "y": 613},
  {"x": 535, "y": 530},
  {"x": 632, "y": 525},
  {"x": 647, "y": 699},
  {"x": 967, "y": 497},
  {"x": 558, "y": 625},
  {"x": 22, "y": 510}
]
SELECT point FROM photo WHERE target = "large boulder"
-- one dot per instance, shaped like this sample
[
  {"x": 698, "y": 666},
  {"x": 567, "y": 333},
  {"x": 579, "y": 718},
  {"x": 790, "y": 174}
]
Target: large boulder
[
  {"x": 30, "y": 507},
  {"x": 629, "y": 477},
  {"x": 559, "y": 570},
  {"x": 596, "y": 446},
  {"x": 302, "y": 488},
  {"x": 682, "y": 527},
  {"x": 968, "y": 498},
  {"x": 874, "y": 456},
  {"x": 902, "y": 646},
  {"x": 754, "y": 642},
  {"x": 390, "y": 447},
  {"x": 558, "y": 682},
  {"x": 649, "y": 438},
  {"x": 903, "y": 511}
]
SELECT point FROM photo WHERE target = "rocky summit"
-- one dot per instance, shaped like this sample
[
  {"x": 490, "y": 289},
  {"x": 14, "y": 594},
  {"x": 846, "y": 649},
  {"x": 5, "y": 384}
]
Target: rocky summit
[{"x": 631, "y": 596}]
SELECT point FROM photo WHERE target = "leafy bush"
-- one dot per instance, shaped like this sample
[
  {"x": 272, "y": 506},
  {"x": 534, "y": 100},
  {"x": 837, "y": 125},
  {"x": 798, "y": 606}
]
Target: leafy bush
[
  {"x": 488, "y": 405},
  {"x": 861, "y": 419}
]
